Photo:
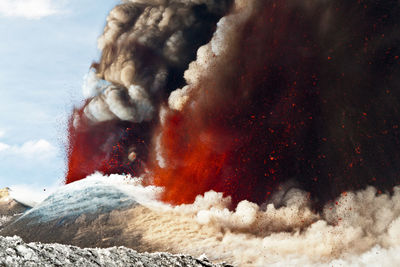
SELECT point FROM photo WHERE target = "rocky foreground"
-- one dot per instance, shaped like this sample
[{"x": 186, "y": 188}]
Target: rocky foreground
[{"x": 15, "y": 252}]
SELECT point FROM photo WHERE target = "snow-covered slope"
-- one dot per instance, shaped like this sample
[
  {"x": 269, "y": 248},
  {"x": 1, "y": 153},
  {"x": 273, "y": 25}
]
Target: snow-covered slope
[
  {"x": 15, "y": 252},
  {"x": 88, "y": 213},
  {"x": 92, "y": 195},
  {"x": 80, "y": 214}
]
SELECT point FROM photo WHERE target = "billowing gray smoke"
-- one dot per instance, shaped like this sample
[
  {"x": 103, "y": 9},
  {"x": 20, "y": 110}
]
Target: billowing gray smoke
[{"x": 146, "y": 46}]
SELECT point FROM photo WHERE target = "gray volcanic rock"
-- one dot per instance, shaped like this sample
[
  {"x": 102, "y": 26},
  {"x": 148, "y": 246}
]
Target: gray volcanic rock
[{"x": 15, "y": 252}]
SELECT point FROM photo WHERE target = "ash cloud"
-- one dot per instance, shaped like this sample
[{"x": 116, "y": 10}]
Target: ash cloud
[
  {"x": 146, "y": 46},
  {"x": 358, "y": 228},
  {"x": 281, "y": 91},
  {"x": 268, "y": 118},
  {"x": 258, "y": 93},
  {"x": 303, "y": 90}
]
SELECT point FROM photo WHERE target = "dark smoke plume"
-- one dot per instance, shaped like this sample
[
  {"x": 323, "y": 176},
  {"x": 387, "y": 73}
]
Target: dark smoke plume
[
  {"x": 305, "y": 91},
  {"x": 146, "y": 46}
]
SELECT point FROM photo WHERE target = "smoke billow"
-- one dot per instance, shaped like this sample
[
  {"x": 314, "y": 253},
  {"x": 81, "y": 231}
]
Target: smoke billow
[
  {"x": 288, "y": 109},
  {"x": 289, "y": 90},
  {"x": 359, "y": 228},
  {"x": 146, "y": 46}
]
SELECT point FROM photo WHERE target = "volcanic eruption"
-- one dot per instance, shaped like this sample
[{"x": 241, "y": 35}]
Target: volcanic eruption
[
  {"x": 255, "y": 132},
  {"x": 242, "y": 97}
]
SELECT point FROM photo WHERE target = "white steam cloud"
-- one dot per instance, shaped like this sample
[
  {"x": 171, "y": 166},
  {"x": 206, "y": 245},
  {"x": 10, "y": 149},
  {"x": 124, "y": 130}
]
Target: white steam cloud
[{"x": 359, "y": 228}]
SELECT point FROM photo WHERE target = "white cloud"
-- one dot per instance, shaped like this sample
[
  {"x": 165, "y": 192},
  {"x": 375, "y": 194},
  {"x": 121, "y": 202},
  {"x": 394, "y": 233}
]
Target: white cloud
[
  {"x": 31, "y": 149},
  {"x": 2, "y": 133},
  {"x": 4, "y": 147},
  {"x": 30, "y": 9}
]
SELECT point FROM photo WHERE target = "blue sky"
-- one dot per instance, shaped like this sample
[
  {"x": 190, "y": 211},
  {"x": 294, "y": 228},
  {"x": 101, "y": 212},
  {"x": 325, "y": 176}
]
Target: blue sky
[{"x": 46, "y": 48}]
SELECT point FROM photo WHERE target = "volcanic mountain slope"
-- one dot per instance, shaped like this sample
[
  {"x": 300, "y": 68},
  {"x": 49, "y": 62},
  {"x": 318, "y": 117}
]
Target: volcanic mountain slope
[
  {"x": 89, "y": 213},
  {"x": 10, "y": 209},
  {"x": 14, "y": 252},
  {"x": 78, "y": 214},
  {"x": 8, "y": 205}
]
